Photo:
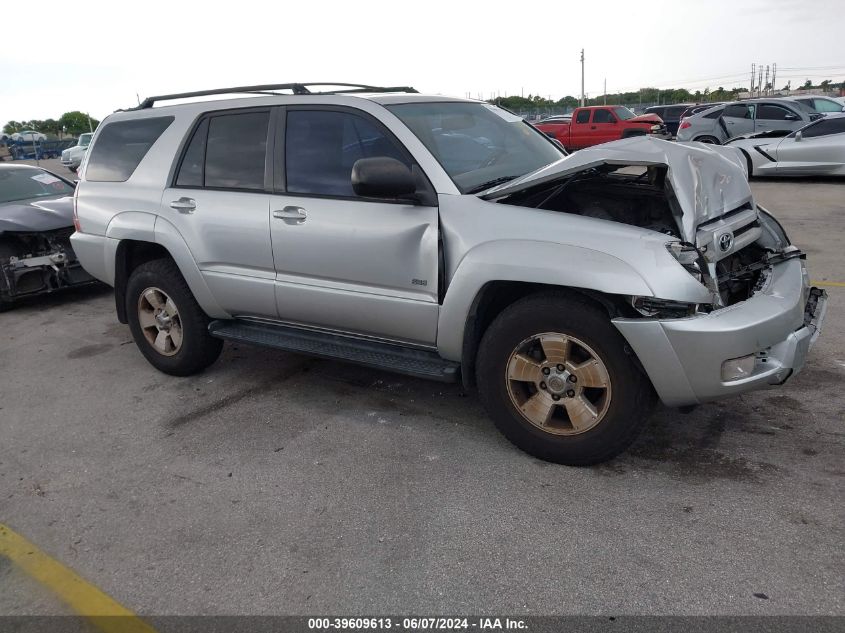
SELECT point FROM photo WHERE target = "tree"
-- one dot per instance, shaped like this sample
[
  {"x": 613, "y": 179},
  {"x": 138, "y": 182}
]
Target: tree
[
  {"x": 13, "y": 126},
  {"x": 77, "y": 122},
  {"x": 807, "y": 85}
]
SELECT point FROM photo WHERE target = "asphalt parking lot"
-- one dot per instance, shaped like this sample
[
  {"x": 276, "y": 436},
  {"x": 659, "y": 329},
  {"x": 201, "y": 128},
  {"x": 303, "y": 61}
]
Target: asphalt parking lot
[{"x": 278, "y": 484}]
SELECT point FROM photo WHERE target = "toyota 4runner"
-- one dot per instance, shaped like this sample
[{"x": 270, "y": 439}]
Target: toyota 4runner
[{"x": 447, "y": 239}]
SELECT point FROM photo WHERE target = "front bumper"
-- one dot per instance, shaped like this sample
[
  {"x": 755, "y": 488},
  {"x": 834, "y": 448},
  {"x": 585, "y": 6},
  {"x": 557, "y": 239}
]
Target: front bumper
[
  {"x": 23, "y": 277},
  {"x": 778, "y": 324}
]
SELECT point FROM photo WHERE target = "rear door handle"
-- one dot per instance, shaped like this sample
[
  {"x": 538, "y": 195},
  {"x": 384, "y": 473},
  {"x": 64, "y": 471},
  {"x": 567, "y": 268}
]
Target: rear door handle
[
  {"x": 291, "y": 215},
  {"x": 184, "y": 205}
]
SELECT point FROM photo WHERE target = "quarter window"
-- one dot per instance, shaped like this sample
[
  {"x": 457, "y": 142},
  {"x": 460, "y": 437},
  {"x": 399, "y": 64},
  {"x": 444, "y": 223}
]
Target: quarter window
[
  {"x": 321, "y": 146},
  {"x": 121, "y": 146},
  {"x": 583, "y": 116}
]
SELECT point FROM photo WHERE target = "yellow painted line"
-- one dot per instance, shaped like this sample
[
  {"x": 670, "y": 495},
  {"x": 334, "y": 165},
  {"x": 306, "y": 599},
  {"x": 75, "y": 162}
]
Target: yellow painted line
[
  {"x": 834, "y": 284},
  {"x": 83, "y": 597}
]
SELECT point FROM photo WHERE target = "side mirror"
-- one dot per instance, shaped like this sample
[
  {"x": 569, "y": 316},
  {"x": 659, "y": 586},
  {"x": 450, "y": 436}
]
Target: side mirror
[
  {"x": 791, "y": 117},
  {"x": 382, "y": 177},
  {"x": 799, "y": 137}
]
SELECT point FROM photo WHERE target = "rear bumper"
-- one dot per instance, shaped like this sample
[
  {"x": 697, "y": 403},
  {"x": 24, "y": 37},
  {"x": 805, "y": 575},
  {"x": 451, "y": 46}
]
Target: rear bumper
[{"x": 778, "y": 325}]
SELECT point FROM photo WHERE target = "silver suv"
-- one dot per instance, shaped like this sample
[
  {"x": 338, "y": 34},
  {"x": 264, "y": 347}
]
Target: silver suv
[
  {"x": 717, "y": 125},
  {"x": 446, "y": 239}
]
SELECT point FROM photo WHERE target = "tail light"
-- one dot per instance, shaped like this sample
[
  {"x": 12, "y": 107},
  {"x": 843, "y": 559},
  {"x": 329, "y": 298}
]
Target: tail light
[{"x": 684, "y": 124}]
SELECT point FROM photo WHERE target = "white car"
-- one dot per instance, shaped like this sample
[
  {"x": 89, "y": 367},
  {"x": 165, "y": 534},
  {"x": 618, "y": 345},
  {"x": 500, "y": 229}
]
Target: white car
[
  {"x": 29, "y": 135},
  {"x": 817, "y": 149},
  {"x": 72, "y": 156}
]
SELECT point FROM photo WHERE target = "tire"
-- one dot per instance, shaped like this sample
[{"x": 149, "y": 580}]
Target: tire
[
  {"x": 709, "y": 140},
  {"x": 181, "y": 327},
  {"x": 622, "y": 407}
]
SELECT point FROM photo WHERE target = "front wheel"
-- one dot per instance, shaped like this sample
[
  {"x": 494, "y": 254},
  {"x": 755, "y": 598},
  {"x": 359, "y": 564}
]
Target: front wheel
[
  {"x": 167, "y": 323},
  {"x": 554, "y": 375}
]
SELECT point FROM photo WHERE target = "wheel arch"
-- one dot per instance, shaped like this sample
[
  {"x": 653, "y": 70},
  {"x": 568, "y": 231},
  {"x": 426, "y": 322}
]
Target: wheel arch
[
  {"x": 164, "y": 241},
  {"x": 495, "y": 296}
]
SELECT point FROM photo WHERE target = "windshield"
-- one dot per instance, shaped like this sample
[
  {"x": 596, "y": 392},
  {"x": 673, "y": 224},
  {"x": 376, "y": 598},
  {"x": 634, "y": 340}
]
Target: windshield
[
  {"x": 85, "y": 139},
  {"x": 22, "y": 183},
  {"x": 624, "y": 113},
  {"x": 479, "y": 145}
]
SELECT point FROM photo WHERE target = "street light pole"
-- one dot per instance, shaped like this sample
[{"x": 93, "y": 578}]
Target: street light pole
[{"x": 582, "y": 79}]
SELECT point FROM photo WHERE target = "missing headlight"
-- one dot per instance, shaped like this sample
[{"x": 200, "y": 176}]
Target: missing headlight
[{"x": 668, "y": 309}]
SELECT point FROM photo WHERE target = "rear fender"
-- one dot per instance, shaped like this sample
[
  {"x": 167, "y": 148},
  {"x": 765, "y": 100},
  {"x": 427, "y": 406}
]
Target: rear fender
[{"x": 169, "y": 237}]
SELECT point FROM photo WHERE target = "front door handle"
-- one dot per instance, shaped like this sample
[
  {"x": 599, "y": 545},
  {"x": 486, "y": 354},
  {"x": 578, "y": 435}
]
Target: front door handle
[
  {"x": 184, "y": 205},
  {"x": 291, "y": 215}
]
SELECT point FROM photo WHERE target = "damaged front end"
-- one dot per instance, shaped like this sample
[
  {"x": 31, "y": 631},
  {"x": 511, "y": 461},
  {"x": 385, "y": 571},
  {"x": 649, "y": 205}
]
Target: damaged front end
[
  {"x": 35, "y": 263},
  {"x": 761, "y": 317},
  {"x": 699, "y": 197}
]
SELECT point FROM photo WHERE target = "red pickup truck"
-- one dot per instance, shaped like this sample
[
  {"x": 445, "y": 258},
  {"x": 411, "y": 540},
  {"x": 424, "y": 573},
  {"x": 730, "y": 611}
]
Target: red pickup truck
[{"x": 600, "y": 124}]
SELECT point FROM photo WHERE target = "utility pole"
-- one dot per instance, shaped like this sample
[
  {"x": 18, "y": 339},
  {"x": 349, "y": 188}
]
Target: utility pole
[
  {"x": 753, "y": 73},
  {"x": 605, "y": 91},
  {"x": 760, "y": 80},
  {"x": 583, "y": 96},
  {"x": 766, "y": 85},
  {"x": 774, "y": 74}
]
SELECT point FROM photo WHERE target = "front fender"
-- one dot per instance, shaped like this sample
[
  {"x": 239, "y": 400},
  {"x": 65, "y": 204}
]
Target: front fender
[
  {"x": 530, "y": 262},
  {"x": 169, "y": 237}
]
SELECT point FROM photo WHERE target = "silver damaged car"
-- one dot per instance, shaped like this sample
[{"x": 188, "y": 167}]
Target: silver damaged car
[{"x": 446, "y": 239}]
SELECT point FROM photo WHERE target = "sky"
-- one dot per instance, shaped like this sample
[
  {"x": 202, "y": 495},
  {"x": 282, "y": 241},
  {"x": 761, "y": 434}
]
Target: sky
[{"x": 104, "y": 54}]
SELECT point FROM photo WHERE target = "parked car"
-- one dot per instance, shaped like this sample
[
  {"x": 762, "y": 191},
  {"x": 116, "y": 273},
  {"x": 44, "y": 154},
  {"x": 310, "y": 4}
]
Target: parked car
[
  {"x": 599, "y": 124},
  {"x": 700, "y": 107},
  {"x": 446, "y": 239},
  {"x": 36, "y": 221},
  {"x": 29, "y": 135},
  {"x": 72, "y": 156},
  {"x": 717, "y": 125},
  {"x": 817, "y": 149},
  {"x": 820, "y": 104},
  {"x": 670, "y": 115}
]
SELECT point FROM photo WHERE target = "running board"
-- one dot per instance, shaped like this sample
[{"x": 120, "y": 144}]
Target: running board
[{"x": 386, "y": 356}]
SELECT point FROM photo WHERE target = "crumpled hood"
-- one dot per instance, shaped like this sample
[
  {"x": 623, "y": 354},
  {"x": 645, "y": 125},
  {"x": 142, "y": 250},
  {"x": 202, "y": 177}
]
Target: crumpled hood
[
  {"x": 36, "y": 215},
  {"x": 645, "y": 118},
  {"x": 708, "y": 180}
]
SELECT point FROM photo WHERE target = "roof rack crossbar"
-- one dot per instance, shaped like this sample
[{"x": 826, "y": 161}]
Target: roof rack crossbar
[{"x": 297, "y": 89}]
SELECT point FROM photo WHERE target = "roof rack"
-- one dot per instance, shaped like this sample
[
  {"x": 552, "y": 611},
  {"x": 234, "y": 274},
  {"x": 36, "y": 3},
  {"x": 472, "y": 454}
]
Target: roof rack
[{"x": 268, "y": 89}]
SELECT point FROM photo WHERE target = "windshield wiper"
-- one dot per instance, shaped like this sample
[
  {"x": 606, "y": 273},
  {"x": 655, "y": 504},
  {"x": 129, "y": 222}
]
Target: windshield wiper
[{"x": 491, "y": 183}]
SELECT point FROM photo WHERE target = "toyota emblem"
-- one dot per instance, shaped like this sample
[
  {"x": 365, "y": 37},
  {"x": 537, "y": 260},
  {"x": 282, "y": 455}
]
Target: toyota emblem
[{"x": 726, "y": 240}]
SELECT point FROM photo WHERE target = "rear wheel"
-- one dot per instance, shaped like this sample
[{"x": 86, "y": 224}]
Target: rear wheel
[
  {"x": 554, "y": 375},
  {"x": 167, "y": 323},
  {"x": 709, "y": 140}
]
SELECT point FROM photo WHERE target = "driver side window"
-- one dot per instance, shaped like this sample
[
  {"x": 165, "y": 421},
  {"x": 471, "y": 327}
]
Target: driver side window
[
  {"x": 321, "y": 146},
  {"x": 603, "y": 116}
]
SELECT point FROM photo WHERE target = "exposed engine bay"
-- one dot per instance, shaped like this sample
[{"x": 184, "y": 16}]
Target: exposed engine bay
[
  {"x": 731, "y": 255},
  {"x": 35, "y": 263}
]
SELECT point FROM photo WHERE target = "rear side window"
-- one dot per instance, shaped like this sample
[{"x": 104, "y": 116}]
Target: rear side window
[
  {"x": 772, "y": 112},
  {"x": 121, "y": 146},
  {"x": 738, "y": 111},
  {"x": 715, "y": 114},
  {"x": 227, "y": 151},
  {"x": 583, "y": 116}
]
